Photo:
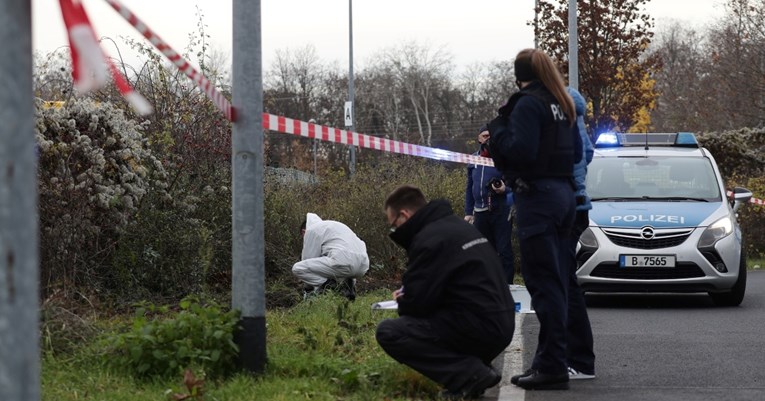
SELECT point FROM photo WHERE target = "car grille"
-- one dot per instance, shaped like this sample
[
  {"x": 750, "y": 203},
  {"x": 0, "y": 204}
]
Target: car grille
[
  {"x": 633, "y": 238},
  {"x": 681, "y": 270}
]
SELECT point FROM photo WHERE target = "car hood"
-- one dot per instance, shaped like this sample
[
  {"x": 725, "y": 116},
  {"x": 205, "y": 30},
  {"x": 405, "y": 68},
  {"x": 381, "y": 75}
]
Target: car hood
[{"x": 655, "y": 214}]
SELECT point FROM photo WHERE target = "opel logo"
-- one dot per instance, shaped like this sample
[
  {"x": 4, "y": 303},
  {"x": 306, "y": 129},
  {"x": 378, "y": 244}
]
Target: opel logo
[{"x": 647, "y": 233}]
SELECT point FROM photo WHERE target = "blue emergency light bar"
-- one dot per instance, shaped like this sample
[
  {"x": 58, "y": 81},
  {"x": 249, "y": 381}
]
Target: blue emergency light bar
[{"x": 676, "y": 139}]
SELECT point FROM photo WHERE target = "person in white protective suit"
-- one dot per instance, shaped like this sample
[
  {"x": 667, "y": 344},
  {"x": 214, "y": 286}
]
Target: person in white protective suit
[{"x": 333, "y": 257}]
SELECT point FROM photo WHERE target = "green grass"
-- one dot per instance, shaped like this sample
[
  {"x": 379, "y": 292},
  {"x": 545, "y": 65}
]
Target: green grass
[
  {"x": 755, "y": 263},
  {"x": 322, "y": 349}
]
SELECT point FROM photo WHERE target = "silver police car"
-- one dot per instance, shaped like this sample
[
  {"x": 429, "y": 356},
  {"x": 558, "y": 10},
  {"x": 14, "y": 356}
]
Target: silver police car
[{"x": 661, "y": 220}]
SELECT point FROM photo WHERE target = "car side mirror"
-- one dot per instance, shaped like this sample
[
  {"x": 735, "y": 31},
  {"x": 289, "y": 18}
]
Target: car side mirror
[{"x": 740, "y": 196}]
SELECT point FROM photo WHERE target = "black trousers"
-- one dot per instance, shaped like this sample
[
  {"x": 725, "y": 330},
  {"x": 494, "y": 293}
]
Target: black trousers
[
  {"x": 579, "y": 350},
  {"x": 446, "y": 357},
  {"x": 497, "y": 227},
  {"x": 544, "y": 218}
]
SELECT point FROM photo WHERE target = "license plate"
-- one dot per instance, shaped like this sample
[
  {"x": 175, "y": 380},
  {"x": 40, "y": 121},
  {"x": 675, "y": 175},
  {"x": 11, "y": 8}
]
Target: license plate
[{"x": 646, "y": 261}]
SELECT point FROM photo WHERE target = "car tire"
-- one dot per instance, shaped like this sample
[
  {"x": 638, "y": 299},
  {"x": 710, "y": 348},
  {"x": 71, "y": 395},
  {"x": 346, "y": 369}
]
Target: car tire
[{"x": 735, "y": 296}]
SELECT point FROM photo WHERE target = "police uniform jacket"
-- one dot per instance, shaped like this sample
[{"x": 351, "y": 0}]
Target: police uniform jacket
[
  {"x": 453, "y": 276},
  {"x": 533, "y": 138}
]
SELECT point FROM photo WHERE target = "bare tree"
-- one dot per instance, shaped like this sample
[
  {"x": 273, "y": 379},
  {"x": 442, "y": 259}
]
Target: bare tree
[
  {"x": 420, "y": 74},
  {"x": 737, "y": 50},
  {"x": 484, "y": 88},
  {"x": 379, "y": 107},
  {"x": 684, "y": 103}
]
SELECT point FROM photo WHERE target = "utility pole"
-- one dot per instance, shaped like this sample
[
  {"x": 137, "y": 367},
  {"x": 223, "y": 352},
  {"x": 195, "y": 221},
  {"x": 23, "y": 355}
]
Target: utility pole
[
  {"x": 19, "y": 258},
  {"x": 315, "y": 151},
  {"x": 573, "y": 46},
  {"x": 536, "y": 24},
  {"x": 352, "y": 164},
  {"x": 248, "y": 249}
]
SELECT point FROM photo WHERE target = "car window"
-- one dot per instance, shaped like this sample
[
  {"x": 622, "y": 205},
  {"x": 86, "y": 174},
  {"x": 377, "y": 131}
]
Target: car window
[{"x": 660, "y": 177}]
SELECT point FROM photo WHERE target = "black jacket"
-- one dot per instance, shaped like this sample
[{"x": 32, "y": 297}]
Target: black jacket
[
  {"x": 533, "y": 138},
  {"x": 453, "y": 275}
]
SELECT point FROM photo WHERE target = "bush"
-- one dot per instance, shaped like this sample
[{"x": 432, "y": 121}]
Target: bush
[
  {"x": 172, "y": 250},
  {"x": 356, "y": 202},
  {"x": 198, "y": 337},
  {"x": 740, "y": 155},
  {"x": 94, "y": 172}
]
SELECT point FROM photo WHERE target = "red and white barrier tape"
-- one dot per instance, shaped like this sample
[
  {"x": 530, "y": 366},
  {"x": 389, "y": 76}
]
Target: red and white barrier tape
[
  {"x": 87, "y": 74},
  {"x": 311, "y": 130},
  {"x": 89, "y": 62},
  {"x": 198, "y": 78}
]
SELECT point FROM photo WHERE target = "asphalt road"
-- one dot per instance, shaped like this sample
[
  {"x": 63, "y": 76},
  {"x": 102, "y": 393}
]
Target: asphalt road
[{"x": 659, "y": 347}]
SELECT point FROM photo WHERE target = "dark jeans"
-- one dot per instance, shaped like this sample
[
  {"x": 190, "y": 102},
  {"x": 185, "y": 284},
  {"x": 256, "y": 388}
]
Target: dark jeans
[
  {"x": 497, "y": 227},
  {"x": 448, "y": 358},
  {"x": 579, "y": 350},
  {"x": 544, "y": 217}
]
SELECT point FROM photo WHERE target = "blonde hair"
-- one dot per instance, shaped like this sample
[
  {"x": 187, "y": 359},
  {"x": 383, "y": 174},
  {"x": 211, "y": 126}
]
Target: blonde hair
[{"x": 546, "y": 71}]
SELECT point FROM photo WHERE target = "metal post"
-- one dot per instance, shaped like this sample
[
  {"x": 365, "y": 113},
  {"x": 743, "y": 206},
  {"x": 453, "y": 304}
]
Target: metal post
[
  {"x": 248, "y": 275},
  {"x": 536, "y": 24},
  {"x": 573, "y": 46},
  {"x": 352, "y": 164},
  {"x": 19, "y": 324},
  {"x": 315, "y": 151}
]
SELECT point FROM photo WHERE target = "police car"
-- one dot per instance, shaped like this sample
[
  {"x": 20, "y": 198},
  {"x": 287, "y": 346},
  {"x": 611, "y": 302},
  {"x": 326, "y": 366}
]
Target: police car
[{"x": 661, "y": 220}]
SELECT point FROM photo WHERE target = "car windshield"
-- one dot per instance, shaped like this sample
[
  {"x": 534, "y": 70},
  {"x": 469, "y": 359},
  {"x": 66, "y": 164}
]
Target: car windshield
[{"x": 652, "y": 178}]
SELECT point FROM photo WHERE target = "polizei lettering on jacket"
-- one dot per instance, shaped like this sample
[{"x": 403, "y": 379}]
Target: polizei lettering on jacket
[
  {"x": 474, "y": 243},
  {"x": 558, "y": 113},
  {"x": 656, "y": 218}
]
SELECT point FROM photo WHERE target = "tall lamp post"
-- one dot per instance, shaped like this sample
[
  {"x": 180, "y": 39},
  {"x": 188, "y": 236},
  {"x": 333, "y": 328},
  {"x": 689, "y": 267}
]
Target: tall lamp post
[
  {"x": 536, "y": 23},
  {"x": 248, "y": 249},
  {"x": 573, "y": 46},
  {"x": 19, "y": 257},
  {"x": 352, "y": 163}
]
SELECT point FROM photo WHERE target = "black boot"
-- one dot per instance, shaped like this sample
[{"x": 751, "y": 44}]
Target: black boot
[
  {"x": 349, "y": 289},
  {"x": 329, "y": 285},
  {"x": 514, "y": 379},
  {"x": 543, "y": 381}
]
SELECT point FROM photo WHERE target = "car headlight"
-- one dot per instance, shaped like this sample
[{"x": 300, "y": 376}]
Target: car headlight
[
  {"x": 715, "y": 232},
  {"x": 587, "y": 239}
]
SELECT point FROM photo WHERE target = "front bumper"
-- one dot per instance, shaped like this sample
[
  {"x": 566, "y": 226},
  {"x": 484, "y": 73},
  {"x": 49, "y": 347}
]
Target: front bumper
[{"x": 709, "y": 270}]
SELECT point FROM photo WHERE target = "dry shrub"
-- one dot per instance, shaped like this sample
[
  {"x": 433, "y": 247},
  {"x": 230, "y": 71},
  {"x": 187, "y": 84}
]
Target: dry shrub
[
  {"x": 95, "y": 169},
  {"x": 357, "y": 202}
]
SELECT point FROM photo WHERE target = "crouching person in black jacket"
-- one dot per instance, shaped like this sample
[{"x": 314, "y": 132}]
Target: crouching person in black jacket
[{"x": 456, "y": 313}]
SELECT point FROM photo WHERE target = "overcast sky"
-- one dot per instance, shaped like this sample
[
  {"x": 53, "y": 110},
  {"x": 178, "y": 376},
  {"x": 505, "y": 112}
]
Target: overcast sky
[{"x": 470, "y": 30}]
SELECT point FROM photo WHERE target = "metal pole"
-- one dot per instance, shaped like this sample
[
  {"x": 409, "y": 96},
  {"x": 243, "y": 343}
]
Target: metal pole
[
  {"x": 248, "y": 275},
  {"x": 573, "y": 46},
  {"x": 536, "y": 24},
  {"x": 352, "y": 164},
  {"x": 315, "y": 151},
  {"x": 19, "y": 324}
]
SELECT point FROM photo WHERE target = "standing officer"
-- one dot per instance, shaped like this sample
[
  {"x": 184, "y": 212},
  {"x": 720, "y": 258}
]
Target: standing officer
[
  {"x": 579, "y": 346},
  {"x": 535, "y": 143},
  {"x": 487, "y": 205}
]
